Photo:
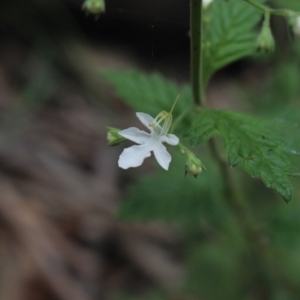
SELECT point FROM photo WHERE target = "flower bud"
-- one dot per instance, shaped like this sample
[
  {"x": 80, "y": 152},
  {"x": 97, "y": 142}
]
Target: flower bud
[
  {"x": 296, "y": 27},
  {"x": 95, "y": 7},
  {"x": 113, "y": 137},
  {"x": 193, "y": 165},
  {"x": 293, "y": 19},
  {"x": 265, "y": 41},
  {"x": 205, "y": 3}
]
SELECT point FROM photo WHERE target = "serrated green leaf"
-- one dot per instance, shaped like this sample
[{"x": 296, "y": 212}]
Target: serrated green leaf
[
  {"x": 249, "y": 142},
  {"x": 287, "y": 125},
  {"x": 150, "y": 93},
  {"x": 172, "y": 197},
  {"x": 228, "y": 34}
]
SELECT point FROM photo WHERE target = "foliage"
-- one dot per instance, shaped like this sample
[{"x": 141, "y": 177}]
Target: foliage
[
  {"x": 281, "y": 84},
  {"x": 265, "y": 147},
  {"x": 151, "y": 93},
  {"x": 209, "y": 269},
  {"x": 172, "y": 197},
  {"x": 229, "y": 34},
  {"x": 250, "y": 143}
]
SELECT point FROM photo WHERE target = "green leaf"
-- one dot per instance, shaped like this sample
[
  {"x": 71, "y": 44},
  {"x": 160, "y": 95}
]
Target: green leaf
[
  {"x": 170, "y": 196},
  {"x": 228, "y": 34},
  {"x": 287, "y": 125},
  {"x": 213, "y": 268},
  {"x": 283, "y": 225},
  {"x": 250, "y": 142},
  {"x": 151, "y": 93}
]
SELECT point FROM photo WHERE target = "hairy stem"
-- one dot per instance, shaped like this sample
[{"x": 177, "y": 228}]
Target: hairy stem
[{"x": 196, "y": 52}]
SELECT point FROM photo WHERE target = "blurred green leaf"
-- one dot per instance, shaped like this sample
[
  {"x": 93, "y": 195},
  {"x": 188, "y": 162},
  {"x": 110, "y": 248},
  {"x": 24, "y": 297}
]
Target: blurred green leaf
[
  {"x": 153, "y": 295},
  {"x": 249, "y": 142},
  {"x": 288, "y": 126},
  {"x": 214, "y": 271},
  {"x": 278, "y": 89},
  {"x": 151, "y": 93},
  {"x": 284, "y": 225},
  {"x": 228, "y": 34},
  {"x": 171, "y": 196}
]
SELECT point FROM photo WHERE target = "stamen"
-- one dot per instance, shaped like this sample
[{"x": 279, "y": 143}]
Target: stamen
[
  {"x": 167, "y": 124},
  {"x": 173, "y": 106},
  {"x": 164, "y": 117}
]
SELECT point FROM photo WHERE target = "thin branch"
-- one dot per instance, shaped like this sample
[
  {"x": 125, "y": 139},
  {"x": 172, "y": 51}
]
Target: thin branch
[
  {"x": 196, "y": 52},
  {"x": 254, "y": 237}
]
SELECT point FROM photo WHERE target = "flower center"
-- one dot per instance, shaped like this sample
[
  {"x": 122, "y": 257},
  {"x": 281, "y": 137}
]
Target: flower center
[{"x": 162, "y": 123}]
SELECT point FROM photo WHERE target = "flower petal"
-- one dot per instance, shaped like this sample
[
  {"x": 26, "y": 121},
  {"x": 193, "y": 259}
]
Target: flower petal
[
  {"x": 162, "y": 156},
  {"x": 171, "y": 139},
  {"x": 135, "y": 135},
  {"x": 134, "y": 156},
  {"x": 145, "y": 119}
]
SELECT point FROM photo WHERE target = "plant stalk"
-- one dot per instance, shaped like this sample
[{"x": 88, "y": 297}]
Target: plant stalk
[
  {"x": 241, "y": 212},
  {"x": 196, "y": 52}
]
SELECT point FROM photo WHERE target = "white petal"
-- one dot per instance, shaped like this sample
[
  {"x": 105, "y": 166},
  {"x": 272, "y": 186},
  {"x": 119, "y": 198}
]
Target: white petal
[
  {"x": 145, "y": 119},
  {"x": 162, "y": 156},
  {"x": 171, "y": 139},
  {"x": 134, "y": 156},
  {"x": 135, "y": 135}
]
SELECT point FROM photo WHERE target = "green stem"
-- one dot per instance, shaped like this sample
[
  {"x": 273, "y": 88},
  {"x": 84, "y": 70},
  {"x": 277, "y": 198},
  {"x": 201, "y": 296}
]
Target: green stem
[
  {"x": 179, "y": 118},
  {"x": 196, "y": 52},
  {"x": 254, "y": 237},
  {"x": 264, "y": 8},
  {"x": 266, "y": 22},
  {"x": 231, "y": 194},
  {"x": 241, "y": 211}
]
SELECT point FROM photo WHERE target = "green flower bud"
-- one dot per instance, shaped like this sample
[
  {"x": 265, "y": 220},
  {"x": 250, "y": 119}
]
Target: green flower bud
[
  {"x": 95, "y": 7},
  {"x": 206, "y": 3},
  {"x": 193, "y": 165},
  {"x": 113, "y": 137},
  {"x": 265, "y": 41},
  {"x": 293, "y": 19}
]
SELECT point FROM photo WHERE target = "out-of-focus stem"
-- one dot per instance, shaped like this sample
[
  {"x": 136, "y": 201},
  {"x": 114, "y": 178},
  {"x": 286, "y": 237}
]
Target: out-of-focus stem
[{"x": 241, "y": 212}]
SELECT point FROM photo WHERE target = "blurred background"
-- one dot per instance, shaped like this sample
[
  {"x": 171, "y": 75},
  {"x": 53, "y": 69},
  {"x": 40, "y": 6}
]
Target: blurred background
[{"x": 60, "y": 184}]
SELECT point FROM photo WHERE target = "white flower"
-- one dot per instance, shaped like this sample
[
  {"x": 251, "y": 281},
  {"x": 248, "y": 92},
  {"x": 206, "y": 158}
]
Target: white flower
[
  {"x": 296, "y": 27},
  {"x": 134, "y": 156},
  {"x": 205, "y": 3}
]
